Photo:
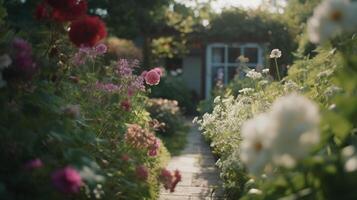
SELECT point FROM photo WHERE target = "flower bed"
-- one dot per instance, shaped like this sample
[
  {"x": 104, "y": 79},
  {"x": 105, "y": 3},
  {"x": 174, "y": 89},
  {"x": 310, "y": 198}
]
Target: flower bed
[
  {"x": 72, "y": 126},
  {"x": 293, "y": 138}
]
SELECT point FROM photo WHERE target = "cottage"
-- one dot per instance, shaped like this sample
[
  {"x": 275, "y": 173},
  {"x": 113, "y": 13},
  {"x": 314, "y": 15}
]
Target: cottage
[{"x": 212, "y": 61}]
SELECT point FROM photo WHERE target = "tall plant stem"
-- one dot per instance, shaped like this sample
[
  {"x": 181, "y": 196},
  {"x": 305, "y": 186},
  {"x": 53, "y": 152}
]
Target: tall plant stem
[{"x": 277, "y": 68}]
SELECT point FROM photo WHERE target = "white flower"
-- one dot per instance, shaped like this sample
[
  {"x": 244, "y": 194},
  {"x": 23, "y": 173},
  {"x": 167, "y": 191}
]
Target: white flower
[
  {"x": 5, "y": 61},
  {"x": 332, "y": 107},
  {"x": 255, "y": 191},
  {"x": 326, "y": 73},
  {"x": 263, "y": 82},
  {"x": 290, "y": 86},
  {"x": 351, "y": 164},
  {"x": 265, "y": 71},
  {"x": 275, "y": 53},
  {"x": 348, "y": 151},
  {"x": 332, "y": 90},
  {"x": 195, "y": 120},
  {"x": 330, "y": 18},
  {"x": 246, "y": 90},
  {"x": 349, "y": 157},
  {"x": 173, "y": 73},
  {"x": 257, "y": 139},
  {"x": 89, "y": 175},
  {"x": 296, "y": 125},
  {"x": 254, "y": 75},
  {"x": 217, "y": 99}
]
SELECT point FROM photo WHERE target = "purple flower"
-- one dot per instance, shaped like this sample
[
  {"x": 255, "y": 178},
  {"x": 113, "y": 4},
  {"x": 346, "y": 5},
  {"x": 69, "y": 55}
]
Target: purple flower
[
  {"x": 22, "y": 56},
  {"x": 85, "y": 53},
  {"x": 107, "y": 87},
  {"x": 79, "y": 58},
  {"x": 34, "y": 164},
  {"x": 67, "y": 180},
  {"x": 124, "y": 68},
  {"x": 101, "y": 49},
  {"x": 21, "y": 45}
]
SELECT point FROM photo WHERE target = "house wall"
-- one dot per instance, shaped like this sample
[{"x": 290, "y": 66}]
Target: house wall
[{"x": 192, "y": 72}]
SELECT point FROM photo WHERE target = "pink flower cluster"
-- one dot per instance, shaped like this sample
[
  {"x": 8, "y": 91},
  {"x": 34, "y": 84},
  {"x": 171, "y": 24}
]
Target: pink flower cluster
[
  {"x": 142, "y": 172},
  {"x": 125, "y": 70},
  {"x": 154, "y": 148},
  {"x": 169, "y": 179},
  {"x": 141, "y": 138},
  {"x": 67, "y": 180},
  {"x": 88, "y": 53}
]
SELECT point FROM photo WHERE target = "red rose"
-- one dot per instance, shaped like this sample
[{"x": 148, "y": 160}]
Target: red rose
[
  {"x": 42, "y": 11},
  {"x": 87, "y": 31},
  {"x": 68, "y": 10}
]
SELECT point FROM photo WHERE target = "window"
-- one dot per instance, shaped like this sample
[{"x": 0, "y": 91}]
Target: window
[{"x": 222, "y": 62}]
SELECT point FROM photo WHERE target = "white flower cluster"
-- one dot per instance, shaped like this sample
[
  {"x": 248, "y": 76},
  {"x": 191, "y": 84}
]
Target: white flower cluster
[
  {"x": 282, "y": 136},
  {"x": 223, "y": 125},
  {"x": 331, "y": 18},
  {"x": 290, "y": 86},
  {"x": 350, "y": 158},
  {"x": 246, "y": 90},
  {"x": 266, "y": 71},
  {"x": 254, "y": 75},
  {"x": 5, "y": 61},
  {"x": 275, "y": 53}
]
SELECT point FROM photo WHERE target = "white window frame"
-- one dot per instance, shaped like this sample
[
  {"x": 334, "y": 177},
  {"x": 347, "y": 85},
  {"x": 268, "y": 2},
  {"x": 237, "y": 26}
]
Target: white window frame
[{"x": 225, "y": 64}]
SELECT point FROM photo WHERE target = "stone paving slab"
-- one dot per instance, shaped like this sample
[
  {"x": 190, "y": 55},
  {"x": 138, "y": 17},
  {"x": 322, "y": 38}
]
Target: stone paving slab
[{"x": 200, "y": 177}]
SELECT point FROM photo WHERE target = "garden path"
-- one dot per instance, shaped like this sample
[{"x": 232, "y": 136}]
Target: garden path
[{"x": 200, "y": 177}]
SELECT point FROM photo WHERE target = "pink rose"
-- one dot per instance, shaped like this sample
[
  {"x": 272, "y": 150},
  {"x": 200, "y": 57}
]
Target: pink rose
[
  {"x": 67, "y": 180},
  {"x": 158, "y": 70},
  {"x": 152, "y": 77}
]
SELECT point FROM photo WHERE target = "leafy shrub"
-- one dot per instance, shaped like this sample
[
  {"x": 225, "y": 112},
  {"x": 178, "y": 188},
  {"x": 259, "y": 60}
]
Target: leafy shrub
[
  {"x": 170, "y": 123},
  {"x": 173, "y": 88}
]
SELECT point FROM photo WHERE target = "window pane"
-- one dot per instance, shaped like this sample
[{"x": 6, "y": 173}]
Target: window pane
[
  {"x": 217, "y": 76},
  {"x": 251, "y": 54},
  {"x": 233, "y": 54},
  {"x": 218, "y": 55}
]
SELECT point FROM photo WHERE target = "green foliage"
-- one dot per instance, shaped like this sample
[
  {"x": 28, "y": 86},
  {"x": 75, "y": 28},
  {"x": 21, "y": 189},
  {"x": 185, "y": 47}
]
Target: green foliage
[
  {"x": 172, "y": 126},
  {"x": 174, "y": 88}
]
